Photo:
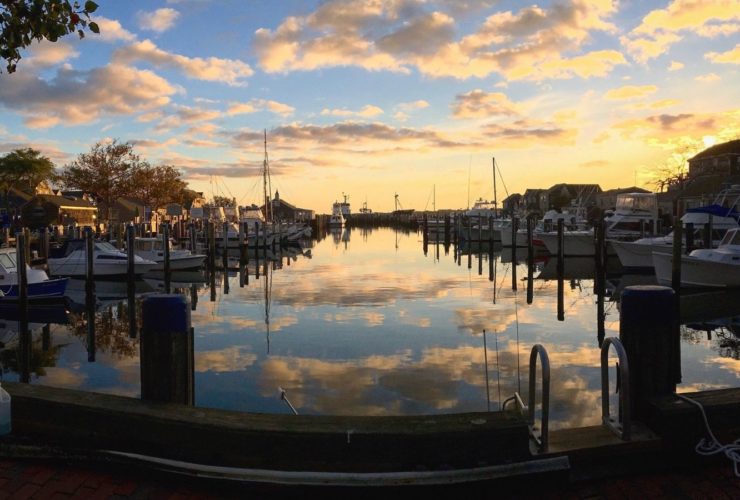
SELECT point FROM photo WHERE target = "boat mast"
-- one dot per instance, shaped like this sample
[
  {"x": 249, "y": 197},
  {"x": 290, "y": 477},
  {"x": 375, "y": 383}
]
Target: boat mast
[
  {"x": 495, "y": 205},
  {"x": 265, "y": 176}
]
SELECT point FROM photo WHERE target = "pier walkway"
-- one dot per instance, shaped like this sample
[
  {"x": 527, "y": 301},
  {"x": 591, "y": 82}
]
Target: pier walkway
[{"x": 33, "y": 479}]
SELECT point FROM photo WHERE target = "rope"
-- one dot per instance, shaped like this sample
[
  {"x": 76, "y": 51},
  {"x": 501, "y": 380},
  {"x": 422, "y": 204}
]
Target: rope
[{"x": 712, "y": 446}]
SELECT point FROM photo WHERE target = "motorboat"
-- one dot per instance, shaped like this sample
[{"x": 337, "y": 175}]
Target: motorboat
[
  {"x": 336, "y": 220},
  {"x": 722, "y": 215},
  {"x": 153, "y": 249},
  {"x": 704, "y": 267},
  {"x": 635, "y": 216},
  {"x": 108, "y": 261},
  {"x": 39, "y": 283},
  {"x": 574, "y": 219}
]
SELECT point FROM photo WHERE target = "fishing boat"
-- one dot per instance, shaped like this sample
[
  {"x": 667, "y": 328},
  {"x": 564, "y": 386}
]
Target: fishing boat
[
  {"x": 635, "y": 216},
  {"x": 39, "y": 283},
  {"x": 108, "y": 261},
  {"x": 704, "y": 267},
  {"x": 153, "y": 249},
  {"x": 721, "y": 215},
  {"x": 336, "y": 220}
]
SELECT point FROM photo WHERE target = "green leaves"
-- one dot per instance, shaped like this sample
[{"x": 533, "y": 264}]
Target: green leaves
[{"x": 22, "y": 21}]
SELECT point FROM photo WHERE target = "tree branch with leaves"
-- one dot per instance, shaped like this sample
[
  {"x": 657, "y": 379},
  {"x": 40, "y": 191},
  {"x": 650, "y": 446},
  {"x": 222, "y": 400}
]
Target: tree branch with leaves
[{"x": 23, "y": 21}]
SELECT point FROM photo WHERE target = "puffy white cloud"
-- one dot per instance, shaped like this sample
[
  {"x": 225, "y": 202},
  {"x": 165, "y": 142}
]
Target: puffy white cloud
[
  {"x": 529, "y": 44},
  {"x": 255, "y": 105},
  {"x": 160, "y": 20},
  {"x": 75, "y": 97},
  {"x": 661, "y": 28},
  {"x": 367, "y": 111},
  {"x": 112, "y": 31},
  {"x": 480, "y": 104},
  {"x": 229, "y": 71}
]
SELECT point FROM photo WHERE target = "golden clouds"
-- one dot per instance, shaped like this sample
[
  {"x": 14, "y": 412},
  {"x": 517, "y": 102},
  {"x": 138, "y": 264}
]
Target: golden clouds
[
  {"x": 631, "y": 92},
  {"x": 480, "y": 104},
  {"x": 661, "y": 28},
  {"x": 732, "y": 56},
  {"x": 229, "y": 71}
]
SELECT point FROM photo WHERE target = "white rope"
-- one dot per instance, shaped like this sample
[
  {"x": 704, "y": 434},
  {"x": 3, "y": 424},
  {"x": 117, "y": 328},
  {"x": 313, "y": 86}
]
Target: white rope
[{"x": 713, "y": 446}]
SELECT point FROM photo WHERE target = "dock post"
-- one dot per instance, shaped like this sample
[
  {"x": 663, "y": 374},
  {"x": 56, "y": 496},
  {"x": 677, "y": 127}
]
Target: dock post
[
  {"x": 225, "y": 243},
  {"x": 90, "y": 293},
  {"x": 708, "y": 229},
  {"x": 211, "y": 237},
  {"x": 530, "y": 262},
  {"x": 689, "y": 234},
  {"x": 649, "y": 332},
  {"x": 24, "y": 346},
  {"x": 676, "y": 261},
  {"x": 131, "y": 280},
  {"x": 166, "y": 349},
  {"x": 561, "y": 248},
  {"x": 166, "y": 255}
]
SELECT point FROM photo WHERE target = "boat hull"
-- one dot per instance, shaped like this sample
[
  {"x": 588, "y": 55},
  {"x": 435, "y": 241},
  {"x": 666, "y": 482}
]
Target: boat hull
[
  {"x": 697, "y": 272},
  {"x": 46, "y": 288},
  {"x": 78, "y": 268},
  {"x": 639, "y": 255}
]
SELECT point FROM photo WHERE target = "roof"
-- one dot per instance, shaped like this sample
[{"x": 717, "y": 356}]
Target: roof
[
  {"x": 707, "y": 185},
  {"x": 633, "y": 189},
  {"x": 726, "y": 148},
  {"x": 63, "y": 202}
]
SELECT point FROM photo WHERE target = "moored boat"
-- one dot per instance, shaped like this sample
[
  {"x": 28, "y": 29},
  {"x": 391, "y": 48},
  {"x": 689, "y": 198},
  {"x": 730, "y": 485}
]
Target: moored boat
[
  {"x": 108, "y": 261},
  {"x": 704, "y": 267},
  {"x": 39, "y": 283},
  {"x": 153, "y": 249}
]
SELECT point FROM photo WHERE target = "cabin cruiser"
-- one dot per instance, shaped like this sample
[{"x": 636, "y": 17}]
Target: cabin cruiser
[
  {"x": 704, "y": 267},
  {"x": 635, "y": 216},
  {"x": 336, "y": 220},
  {"x": 108, "y": 261},
  {"x": 39, "y": 283},
  {"x": 153, "y": 249},
  {"x": 722, "y": 215}
]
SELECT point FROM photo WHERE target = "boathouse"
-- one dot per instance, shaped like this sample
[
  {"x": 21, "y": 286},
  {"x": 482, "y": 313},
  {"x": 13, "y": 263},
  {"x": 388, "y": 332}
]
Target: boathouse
[
  {"x": 284, "y": 211},
  {"x": 45, "y": 210}
]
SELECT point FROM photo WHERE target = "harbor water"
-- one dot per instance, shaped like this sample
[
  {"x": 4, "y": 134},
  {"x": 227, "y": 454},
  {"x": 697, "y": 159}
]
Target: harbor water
[{"x": 373, "y": 322}]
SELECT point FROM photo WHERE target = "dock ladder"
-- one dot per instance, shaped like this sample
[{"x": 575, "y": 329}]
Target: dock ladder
[
  {"x": 528, "y": 410},
  {"x": 622, "y": 424}
]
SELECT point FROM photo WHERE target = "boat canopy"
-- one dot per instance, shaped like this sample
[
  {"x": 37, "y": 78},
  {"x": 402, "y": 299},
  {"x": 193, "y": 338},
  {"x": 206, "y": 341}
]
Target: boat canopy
[{"x": 637, "y": 202}]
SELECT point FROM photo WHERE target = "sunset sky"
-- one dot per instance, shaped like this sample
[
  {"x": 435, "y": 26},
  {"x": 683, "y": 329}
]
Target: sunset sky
[{"x": 376, "y": 97}]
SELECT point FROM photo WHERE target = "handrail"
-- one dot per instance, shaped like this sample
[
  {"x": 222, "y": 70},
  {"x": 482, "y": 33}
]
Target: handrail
[
  {"x": 622, "y": 426},
  {"x": 528, "y": 410}
]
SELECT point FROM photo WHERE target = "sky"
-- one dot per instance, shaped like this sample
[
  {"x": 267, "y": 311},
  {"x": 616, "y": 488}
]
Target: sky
[{"x": 391, "y": 103}]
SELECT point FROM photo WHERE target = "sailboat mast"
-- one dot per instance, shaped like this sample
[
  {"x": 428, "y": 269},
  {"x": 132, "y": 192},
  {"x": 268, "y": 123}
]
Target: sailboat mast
[
  {"x": 268, "y": 207},
  {"x": 495, "y": 205}
]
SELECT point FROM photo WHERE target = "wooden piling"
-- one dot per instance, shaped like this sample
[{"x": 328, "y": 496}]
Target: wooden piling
[
  {"x": 166, "y": 255},
  {"x": 676, "y": 261}
]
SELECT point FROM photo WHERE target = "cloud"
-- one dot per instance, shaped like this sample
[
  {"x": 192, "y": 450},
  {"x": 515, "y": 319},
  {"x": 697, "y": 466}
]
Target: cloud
[
  {"x": 255, "y": 105},
  {"x": 534, "y": 43},
  {"x": 160, "y": 20},
  {"x": 229, "y": 71},
  {"x": 732, "y": 56},
  {"x": 413, "y": 105},
  {"x": 630, "y": 92},
  {"x": 661, "y": 28},
  {"x": 46, "y": 54},
  {"x": 112, "y": 31},
  {"x": 708, "y": 78},
  {"x": 480, "y": 104},
  {"x": 675, "y": 66},
  {"x": 522, "y": 133},
  {"x": 367, "y": 111},
  {"x": 77, "y": 97}
]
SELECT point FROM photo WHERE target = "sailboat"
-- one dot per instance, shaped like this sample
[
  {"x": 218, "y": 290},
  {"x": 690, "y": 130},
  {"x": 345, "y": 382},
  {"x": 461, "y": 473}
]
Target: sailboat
[
  {"x": 482, "y": 222},
  {"x": 435, "y": 224}
]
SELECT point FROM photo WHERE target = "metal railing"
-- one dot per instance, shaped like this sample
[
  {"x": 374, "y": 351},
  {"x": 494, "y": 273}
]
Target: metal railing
[
  {"x": 528, "y": 410},
  {"x": 622, "y": 425}
]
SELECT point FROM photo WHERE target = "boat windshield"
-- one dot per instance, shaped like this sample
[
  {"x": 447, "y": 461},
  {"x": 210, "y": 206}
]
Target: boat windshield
[
  {"x": 105, "y": 246},
  {"x": 7, "y": 260},
  {"x": 643, "y": 202}
]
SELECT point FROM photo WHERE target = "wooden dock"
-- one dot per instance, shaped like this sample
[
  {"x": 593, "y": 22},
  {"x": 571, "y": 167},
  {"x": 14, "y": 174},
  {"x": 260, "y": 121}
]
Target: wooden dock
[{"x": 350, "y": 451}]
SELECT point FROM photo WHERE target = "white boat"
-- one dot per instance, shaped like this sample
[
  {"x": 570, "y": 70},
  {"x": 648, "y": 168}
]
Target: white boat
[
  {"x": 635, "y": 216},
  {"x": 337, "y": 216},
  {"x": 180, "y": 259},
  {"x": 108, "y": 261},
  {"x": 39, "y": 284},
  {"x": 723, "y": 213},
  {"x": 704, "y": 267},
  {"x": 574, "y": 219},
  {"x": 481, "y": 222}
]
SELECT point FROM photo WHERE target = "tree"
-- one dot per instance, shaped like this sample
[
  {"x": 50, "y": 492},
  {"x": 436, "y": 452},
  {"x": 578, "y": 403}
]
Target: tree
[
  {"x": 157, "y": 186},
  {"x": 107, "y": 171},
  {"x": 22, "y": 21},
  {"x": 24, "y": 169},
  {"x": 222, "y": 201}
]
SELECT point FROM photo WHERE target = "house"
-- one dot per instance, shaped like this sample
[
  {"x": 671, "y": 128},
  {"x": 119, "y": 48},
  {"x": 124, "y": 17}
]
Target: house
[
  {"x": 720, "y": 159},
  {"x": 285, "y": 212},
  {"x": 533, "y": 200},
  {"x": 45, "y": 210},
  {"x": 513, "y": 204},
  {"x": 127, "y": 209},
  {"x": 563, "y": 194}
]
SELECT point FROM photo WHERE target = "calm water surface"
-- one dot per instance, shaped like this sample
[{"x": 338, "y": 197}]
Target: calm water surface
[{"x": 366, "y": 323}]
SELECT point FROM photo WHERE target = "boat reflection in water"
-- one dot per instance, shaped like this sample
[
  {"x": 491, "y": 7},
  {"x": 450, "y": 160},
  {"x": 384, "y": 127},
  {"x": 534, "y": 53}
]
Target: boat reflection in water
[{"x": 376, "y": 327}]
